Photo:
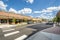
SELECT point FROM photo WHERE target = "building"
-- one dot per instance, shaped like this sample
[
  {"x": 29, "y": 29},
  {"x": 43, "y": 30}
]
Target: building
[
  {"x": 37, "y": 20},
  {"x": 13, "y": 18}
]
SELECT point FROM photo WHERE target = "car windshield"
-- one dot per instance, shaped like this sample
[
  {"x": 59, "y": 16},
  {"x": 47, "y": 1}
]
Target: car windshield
[{"x": 29, "y": 19}]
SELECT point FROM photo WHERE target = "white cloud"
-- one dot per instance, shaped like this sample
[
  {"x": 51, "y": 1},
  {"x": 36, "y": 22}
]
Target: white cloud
[
  {"x": 54, "y": 8},
  {"x": 22, "y": 11},
  {"x": 43, "y": 11},
  {"x": 12, "y": 10},
  {"x": 30, "y": 1},
  {"x": 51, "y": 9},
  {"x": 25, "y": 11},
  {"x": 48, "y": 10},
  {"x": 46, "y": 16},
  {"x": 2, "y": 5},
  {"x": 36, "y": 12}
]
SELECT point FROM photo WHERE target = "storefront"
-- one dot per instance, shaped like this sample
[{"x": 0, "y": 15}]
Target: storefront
[{"x": 12, "y": 18}]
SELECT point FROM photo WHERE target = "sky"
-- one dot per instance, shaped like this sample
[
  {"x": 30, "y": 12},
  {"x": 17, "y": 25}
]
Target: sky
[{"x": 35, "y": 8}]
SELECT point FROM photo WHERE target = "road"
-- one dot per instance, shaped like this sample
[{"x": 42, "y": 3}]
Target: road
[{"x": 22, "y": 33}]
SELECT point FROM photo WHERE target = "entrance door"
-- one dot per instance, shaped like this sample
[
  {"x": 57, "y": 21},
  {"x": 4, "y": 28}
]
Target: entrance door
[{"x": 10, "y": 21}]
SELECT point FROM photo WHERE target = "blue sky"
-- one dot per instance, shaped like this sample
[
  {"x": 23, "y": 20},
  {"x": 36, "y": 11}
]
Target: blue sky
[{"x": 35, "y": 8}]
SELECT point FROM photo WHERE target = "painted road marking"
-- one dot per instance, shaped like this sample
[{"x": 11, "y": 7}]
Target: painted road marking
[
  {"x": 8, "y": 30},
  {"x": 12, "y": 33},
  {"x": 21, "y": 37}
]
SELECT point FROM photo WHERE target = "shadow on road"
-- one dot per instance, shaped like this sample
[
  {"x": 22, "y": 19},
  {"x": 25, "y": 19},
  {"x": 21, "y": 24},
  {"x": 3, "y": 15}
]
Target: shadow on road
[{"x": 38, "y": 28}]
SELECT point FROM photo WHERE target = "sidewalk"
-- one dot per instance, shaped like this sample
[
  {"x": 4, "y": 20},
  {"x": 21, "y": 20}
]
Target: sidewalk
[
  {"x": 10, "y": 25},
  {"x": 23, "y": 26},
  {"x": 7, "y": 26}
]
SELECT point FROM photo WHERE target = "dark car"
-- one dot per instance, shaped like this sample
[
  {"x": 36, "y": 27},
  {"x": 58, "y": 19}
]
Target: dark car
[
  {"x": 29, "y": 22},
  {"x": 49, "y": 23}
]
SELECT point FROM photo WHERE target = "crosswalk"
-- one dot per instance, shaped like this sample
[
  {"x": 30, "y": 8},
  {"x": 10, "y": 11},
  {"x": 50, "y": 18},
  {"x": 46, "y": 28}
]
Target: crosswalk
[
  {"x": 8, "y": 30},
  {"x": 13, "y": 34},
  {"x": 18, "y": 33},
  {"x": 21, "y": 38}
]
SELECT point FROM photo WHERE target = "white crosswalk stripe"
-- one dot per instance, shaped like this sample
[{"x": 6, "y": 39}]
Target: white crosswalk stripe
[
  {"x": 8, "y": 30},
  {"x": 12, "y": 33},
  {"x": 21, "y": 37}
]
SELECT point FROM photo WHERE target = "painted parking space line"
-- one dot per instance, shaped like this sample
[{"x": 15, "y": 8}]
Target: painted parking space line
[
  {"x": 8, "y": 30},
  {"x": 12, "y": 33},
  {"x": 21, "y": 37}
]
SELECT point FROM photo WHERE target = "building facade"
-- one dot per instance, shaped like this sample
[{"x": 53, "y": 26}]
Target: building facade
[{"x": 12, "y": 18}]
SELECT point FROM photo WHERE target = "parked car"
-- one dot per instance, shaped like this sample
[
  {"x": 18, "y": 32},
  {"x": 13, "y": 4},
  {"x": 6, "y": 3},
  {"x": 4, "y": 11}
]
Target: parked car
[
  {"x": 49, "y": 23},
  {"x": 29, "y": 22}
]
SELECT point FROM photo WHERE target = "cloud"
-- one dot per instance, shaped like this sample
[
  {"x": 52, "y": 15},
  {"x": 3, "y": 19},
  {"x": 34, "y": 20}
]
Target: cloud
[
  {"x": 48, "y": 10},
  {"x": 12, "y": 10},
  {"x": 54, "y": 8},
  {"x": 44, "y": 13},
  {"x": 46, "y": 16},
  {"x": 25, "y": 11},
  {"x": 51, "y": 9},
  {"x": 2, "y": 5},
  {"x": 30, "y": 1},
  {"x": 36, "y": 12},
  {"x": 22, "y": 11}
]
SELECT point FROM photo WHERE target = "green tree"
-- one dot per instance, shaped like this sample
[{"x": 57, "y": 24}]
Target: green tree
[
  {"x": 58, "y": 17},
  {"x": 55, "y": 19}
]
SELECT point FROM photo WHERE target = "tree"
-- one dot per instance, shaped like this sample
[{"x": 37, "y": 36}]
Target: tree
[
  {"x": 58, "y": 17},
  {"x": 55, "y": 19}
]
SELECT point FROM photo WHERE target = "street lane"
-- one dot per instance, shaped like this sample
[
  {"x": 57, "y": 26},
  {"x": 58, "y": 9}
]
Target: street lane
[
  {"x": 40, "y": 26},
  {"x": 28, "y": 31},
  {"x": 14, "y": 33}
]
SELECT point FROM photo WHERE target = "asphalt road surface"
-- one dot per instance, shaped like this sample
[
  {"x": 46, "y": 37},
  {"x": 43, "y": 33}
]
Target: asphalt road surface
[
  {"x": 22, "y": 33},
  {"x": 40, "y": 26}
]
